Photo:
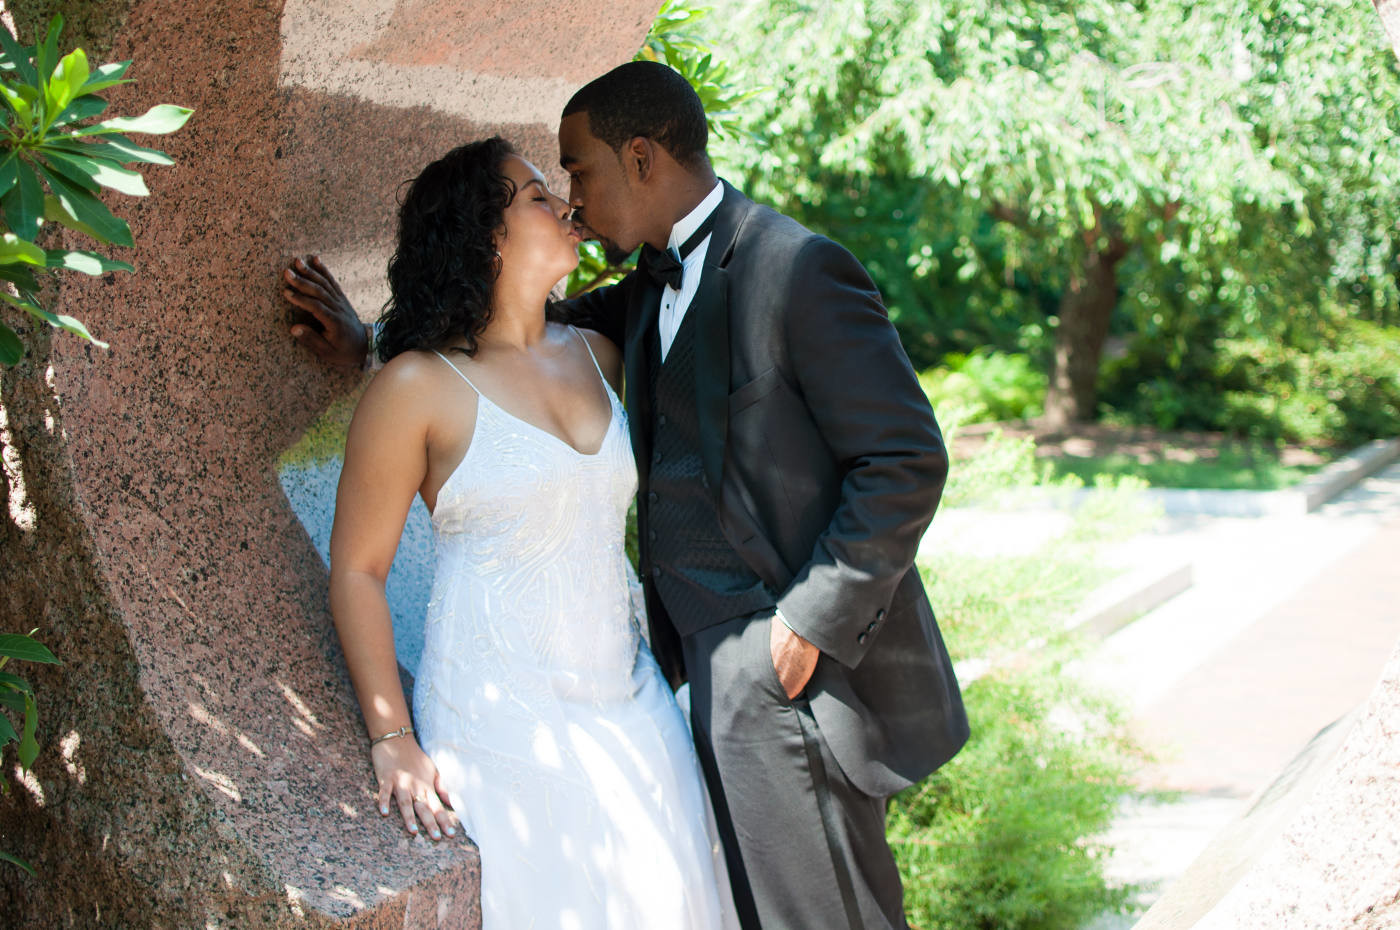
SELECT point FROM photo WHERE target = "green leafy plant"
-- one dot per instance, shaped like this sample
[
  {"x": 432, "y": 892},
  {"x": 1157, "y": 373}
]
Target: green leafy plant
[
  {"x": 54, "y": 162},
  {"x": 17, "y": 696},
  {"x": 1004, "y": 836},
  {"x": 1007, "y": 836},
  {"x": 992, "y": 385}
]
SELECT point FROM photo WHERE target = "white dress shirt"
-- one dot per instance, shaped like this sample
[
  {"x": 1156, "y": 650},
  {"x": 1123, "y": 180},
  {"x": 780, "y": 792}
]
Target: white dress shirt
[{"x": 674, "y": 303}]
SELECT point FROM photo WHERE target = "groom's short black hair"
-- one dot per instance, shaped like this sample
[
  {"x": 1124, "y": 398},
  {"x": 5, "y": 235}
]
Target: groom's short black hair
[{"x": 645, "y": 98}]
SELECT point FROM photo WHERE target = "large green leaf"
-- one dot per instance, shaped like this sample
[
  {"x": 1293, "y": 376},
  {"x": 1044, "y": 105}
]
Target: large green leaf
[
  {"x": 74, "y": 176},
  {"x": 46, "y": 54},
  {"x": 14, "y": 250},
  {"x": 85, "y": 107},
  {"x": 11, "y": 349},
  {"x": 64, "y": 86},
  {"x": 16, "y": 682},
  {"x": 22, "y": 277},
  {"x": 24, "y": 204},
  {"x": 25, "y": 648},
  {"x": 14, "y": 700},
  {"x": 11, "y": 857},
  {"x": 100, "y": 171},
  {"x": 86, "y": 262},
  {"x": 105, "y": 76},
  {"x": 129, "y": 151},
  {"x": 56, "y": 320},
  {"x": 18, "y": 56},
  {"x": 28, "y": 745},
  {"x": 9, "y": 173},
  {"x": 88, "y": 210},
  {"x": 8, "y": 734},
  {"x": 18, "y": 102},
  {"x": 158, "y": 120},
  {"x": 55, "y": 212}
]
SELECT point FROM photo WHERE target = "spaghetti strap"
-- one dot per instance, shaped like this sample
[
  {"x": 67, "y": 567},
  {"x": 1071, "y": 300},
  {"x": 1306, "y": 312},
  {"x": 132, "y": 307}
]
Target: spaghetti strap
[
  {"x": 596, "y": 366},
  {"x": 462, "y": 376}
]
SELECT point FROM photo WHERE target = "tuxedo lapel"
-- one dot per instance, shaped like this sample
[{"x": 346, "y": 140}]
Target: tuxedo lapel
[
  {"x": 641, "y": 319},
  {"x": 711, "y": 309}
]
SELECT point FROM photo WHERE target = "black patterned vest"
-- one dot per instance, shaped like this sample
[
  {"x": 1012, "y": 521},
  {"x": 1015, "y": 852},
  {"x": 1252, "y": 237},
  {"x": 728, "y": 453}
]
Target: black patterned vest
[{"x": 700, "y": 578}]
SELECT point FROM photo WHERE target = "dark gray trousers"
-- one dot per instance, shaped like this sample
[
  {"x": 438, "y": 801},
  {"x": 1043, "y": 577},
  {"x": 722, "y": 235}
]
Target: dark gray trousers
[{"x": 806, "y": 849}]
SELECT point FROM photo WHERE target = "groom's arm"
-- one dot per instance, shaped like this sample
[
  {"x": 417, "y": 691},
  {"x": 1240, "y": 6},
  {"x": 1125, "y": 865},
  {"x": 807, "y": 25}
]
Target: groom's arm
[
  {"x": 602, "y": 309},
  {"x": 868, "y": 405}
]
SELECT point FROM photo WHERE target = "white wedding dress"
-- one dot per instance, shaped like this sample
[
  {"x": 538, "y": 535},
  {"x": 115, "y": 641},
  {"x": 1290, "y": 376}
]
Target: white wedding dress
[{"x": 558, "y": 741}]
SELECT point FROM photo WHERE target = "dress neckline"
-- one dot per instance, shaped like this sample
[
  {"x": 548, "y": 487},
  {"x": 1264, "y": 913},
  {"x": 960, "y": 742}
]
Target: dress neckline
[
  {"x": 607, "y": 392},
  {"x": 602, "y": 443}
]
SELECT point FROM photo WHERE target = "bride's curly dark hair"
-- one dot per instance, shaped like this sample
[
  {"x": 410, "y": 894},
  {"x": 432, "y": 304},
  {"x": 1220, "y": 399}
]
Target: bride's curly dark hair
[{"x": 444, "y": 269}]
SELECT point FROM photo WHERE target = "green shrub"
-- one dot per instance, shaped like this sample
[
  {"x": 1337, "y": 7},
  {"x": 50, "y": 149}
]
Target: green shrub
[
  {"x": 1001, "y": 838},
  {"x": 991, "y": 386},
  {"x": 1002, "y": 468},
  {"x": 1344, "y": 389},
  {"x": 17, "y": 695}
]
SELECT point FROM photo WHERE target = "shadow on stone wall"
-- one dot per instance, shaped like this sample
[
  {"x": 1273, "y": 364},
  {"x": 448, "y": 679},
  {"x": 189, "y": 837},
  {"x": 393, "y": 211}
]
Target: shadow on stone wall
[{"x": 204, "y": 761}]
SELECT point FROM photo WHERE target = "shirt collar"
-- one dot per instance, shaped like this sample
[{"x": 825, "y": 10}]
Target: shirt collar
[{"x": 692, "y": 220}]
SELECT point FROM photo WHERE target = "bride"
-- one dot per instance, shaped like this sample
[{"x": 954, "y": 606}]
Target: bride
[{"x": 539, "y": 717}]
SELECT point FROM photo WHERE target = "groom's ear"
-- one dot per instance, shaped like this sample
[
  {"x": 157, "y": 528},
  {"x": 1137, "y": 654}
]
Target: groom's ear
[{"x": 639, "y": 157}]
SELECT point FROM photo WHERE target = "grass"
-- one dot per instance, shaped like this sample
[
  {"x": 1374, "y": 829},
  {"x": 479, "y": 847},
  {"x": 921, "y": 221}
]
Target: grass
[{"x": 1240, "y": 468}]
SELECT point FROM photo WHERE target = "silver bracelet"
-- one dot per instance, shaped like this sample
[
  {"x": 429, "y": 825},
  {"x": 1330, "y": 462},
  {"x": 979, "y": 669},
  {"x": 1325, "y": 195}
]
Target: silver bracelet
[{"x": 392, "y": 734}]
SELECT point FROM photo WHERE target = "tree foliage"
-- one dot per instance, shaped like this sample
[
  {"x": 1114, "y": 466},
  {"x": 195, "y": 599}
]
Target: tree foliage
[
  {"x": 55, "y": 162},
  {"x": 1225, "y": 170}
]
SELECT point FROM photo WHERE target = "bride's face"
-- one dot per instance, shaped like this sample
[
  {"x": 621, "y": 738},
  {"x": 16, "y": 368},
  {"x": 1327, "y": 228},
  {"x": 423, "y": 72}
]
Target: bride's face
[{"x": 538, "y": 238}]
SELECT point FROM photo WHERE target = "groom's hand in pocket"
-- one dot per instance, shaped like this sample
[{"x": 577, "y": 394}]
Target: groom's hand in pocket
[{"x": 794, "y": 658}]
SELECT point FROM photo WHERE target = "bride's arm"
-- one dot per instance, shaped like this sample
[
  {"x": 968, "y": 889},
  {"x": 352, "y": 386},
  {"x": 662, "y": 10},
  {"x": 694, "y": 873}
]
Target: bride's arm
[{"x": 386, "y": 460}]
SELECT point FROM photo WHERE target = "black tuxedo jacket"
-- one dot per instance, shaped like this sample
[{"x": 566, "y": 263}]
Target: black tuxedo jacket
[{"x": 825, "y": 464}]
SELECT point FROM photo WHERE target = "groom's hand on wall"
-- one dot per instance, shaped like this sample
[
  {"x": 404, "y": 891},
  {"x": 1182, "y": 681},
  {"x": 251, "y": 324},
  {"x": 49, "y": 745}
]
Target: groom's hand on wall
[
  {"x": 794, "y": 658},
  {"x": 334, "y": 332}
]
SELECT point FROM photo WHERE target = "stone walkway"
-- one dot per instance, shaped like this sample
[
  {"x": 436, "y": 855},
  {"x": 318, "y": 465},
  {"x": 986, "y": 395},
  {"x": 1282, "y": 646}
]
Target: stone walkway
[{"x": 1286, "y": 629}]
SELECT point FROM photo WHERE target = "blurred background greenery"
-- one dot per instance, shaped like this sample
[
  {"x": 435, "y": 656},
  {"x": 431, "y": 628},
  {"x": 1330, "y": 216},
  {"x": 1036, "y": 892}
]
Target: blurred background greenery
[{"x": 1179, "y": 214}]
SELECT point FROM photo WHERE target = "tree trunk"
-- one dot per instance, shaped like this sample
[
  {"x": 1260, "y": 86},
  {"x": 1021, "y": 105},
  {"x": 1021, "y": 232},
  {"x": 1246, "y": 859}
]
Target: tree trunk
[
  {"x": 1389, "y": 11},
  {"x": 1085, "y": 309}
]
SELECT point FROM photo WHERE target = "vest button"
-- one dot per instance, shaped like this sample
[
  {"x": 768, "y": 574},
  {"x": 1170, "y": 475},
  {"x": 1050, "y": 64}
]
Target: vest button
[
  {"x": 656, "y": 572},
  {"x": 652, "y": 535},
  {"x": 860, "y": 639},
  {"x": 651, "y": 497},
  {"x": 656, "y": 458},
  {"x": 661, "y": 420}
]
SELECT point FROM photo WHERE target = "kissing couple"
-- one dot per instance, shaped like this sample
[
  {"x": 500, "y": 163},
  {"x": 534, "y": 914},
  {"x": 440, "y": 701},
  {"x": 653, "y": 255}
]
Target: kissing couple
[{"x": 784, "y": 462}]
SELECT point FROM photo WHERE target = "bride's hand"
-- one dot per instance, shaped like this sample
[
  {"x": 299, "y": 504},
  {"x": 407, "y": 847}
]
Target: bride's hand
[{"x": 408, "y": 778}]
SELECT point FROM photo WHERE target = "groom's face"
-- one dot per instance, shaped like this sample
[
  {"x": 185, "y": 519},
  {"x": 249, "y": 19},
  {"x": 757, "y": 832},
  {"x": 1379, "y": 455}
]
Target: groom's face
[{"x": 604, "y": 198}]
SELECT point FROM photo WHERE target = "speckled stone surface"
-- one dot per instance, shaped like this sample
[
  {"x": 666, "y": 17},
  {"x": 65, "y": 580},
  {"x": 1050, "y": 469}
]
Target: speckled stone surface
[
  {"x": 1338, "y": 863},
  {"x": 204, "y": 763}
]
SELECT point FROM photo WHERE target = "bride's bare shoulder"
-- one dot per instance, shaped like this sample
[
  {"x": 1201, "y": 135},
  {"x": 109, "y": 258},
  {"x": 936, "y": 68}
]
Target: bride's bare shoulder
[
  {"x": 607, "y": 353},
  {"x": 416, "y": 369}
]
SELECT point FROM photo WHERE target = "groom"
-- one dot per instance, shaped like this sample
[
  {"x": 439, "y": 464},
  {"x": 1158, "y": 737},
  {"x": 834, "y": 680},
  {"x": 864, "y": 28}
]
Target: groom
[{"x": 789, "y": 464}]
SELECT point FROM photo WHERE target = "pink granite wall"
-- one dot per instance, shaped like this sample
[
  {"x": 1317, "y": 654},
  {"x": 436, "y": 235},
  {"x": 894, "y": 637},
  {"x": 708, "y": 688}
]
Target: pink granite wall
[{"x": 204, "y": 759}]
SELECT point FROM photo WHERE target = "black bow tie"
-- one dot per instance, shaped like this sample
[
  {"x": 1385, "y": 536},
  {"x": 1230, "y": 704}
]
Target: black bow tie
[{"x": 664, "y": 267}]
